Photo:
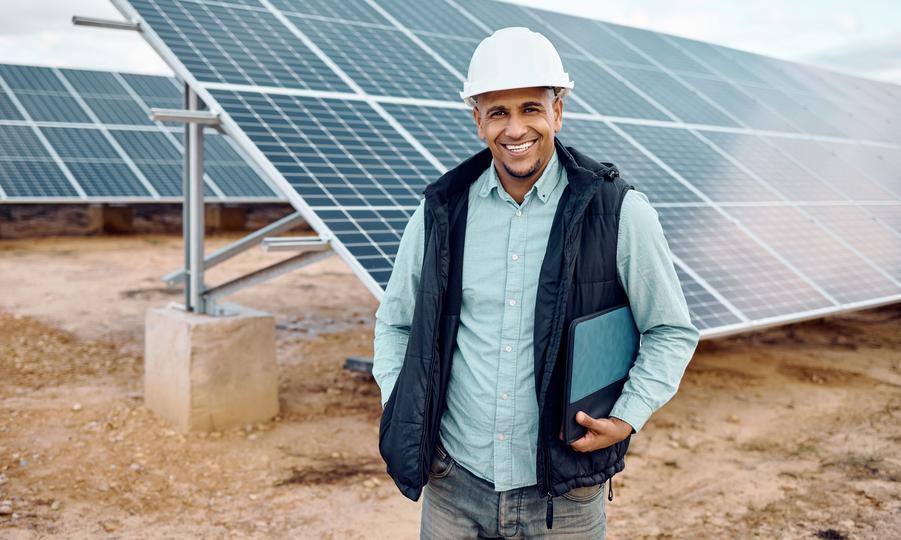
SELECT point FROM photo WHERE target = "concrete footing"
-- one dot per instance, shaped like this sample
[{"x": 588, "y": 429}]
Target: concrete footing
[
  {"x": 225, "y": 218},
  {"x": 106, "y": 219},
  {"x": 204, "y": 373}
]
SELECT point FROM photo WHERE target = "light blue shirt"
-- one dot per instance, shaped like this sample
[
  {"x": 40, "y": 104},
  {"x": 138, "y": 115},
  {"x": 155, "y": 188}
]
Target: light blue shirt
[{"x": 490, "y": 426}]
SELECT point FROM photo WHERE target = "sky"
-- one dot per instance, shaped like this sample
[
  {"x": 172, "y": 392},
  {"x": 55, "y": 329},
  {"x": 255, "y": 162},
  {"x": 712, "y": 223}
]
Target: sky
[{"x": 861, "y": 37}]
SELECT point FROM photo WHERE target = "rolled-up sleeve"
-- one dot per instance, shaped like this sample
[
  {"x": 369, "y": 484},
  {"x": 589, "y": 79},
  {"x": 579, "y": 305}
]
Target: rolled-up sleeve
[
  {"x": 395, "y": 313},
  {"x": 668, "y": 338}
]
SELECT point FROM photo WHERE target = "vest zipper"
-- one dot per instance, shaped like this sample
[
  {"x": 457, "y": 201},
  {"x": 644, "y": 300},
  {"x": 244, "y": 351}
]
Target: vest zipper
[{"x": 549, "y": 516}]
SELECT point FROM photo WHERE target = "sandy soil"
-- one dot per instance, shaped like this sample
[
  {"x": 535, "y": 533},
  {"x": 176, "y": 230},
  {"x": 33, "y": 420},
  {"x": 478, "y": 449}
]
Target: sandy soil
[{"x": 789, "y": 433}]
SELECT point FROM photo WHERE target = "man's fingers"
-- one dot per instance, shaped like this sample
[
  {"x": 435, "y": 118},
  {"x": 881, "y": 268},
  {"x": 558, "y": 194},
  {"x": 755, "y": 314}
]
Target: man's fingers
[
  {"x": 581, "y": 444},
  {"x": 589, "y": 422}
]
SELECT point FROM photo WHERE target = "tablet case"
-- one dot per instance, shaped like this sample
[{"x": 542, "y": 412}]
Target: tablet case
[{"x": 602, "y": 349}]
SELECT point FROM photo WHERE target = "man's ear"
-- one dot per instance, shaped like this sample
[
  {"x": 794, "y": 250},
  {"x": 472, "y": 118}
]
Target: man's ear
[
  {"x": 558, "y": 114},
  {"x": 477, "y": 117}
]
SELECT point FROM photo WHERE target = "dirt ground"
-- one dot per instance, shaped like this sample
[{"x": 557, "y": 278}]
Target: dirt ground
[{"x": 793, "y": 432}]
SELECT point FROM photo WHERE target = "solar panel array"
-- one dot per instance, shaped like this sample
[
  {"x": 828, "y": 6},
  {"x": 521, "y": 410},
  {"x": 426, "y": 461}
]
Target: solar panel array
[
  {"x": 69, "y": 135},
  {"x": 778, "y": 184}
]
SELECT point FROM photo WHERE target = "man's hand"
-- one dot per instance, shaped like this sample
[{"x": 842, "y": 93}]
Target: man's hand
[{"x": 602, "y": 432}]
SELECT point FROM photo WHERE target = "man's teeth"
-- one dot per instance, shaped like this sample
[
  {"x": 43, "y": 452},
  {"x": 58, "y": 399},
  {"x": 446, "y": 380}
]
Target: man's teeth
[{"x": 519, "y": 147}]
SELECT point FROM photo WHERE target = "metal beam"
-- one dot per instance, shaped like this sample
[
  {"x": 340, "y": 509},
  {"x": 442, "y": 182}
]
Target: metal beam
[
  {"x": 239, "y": 246},
  {"x": 78, "y": 20},
  {"x": 191, "y": 116},
  {"x": 263, "y": 274},
  {"x": 295, "y": 243}
]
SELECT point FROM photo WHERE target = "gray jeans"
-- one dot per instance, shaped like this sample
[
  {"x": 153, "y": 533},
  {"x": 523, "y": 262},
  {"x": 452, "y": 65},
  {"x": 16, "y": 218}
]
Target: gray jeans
[{"x": 459, "y": 505}]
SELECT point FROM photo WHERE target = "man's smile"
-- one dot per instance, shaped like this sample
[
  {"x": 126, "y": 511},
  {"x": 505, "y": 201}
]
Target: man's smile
[{"x": 519, "y": 149}]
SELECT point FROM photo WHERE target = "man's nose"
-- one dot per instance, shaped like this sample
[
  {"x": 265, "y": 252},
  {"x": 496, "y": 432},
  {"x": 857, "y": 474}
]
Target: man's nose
[{"x": 516, "y": 128}]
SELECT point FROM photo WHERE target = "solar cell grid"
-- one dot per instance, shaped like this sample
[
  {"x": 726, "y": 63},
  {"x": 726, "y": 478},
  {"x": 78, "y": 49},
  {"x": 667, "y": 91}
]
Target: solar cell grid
[
  {"x": 118, "y": 110},
  {"x": 449, "y": 134},
  {"x": 253, "y": 47},
  {"x": 18, "y": 142},
  {"x": 874, "y": 162},
  {"x": 793, "y": 110},
  {"x": 814, "y": 252},
  {"x": 381, "y": 61},
  {"x": 107, "y": 178},
  {"x": 865, "y": 233},
  {"x": 52, "y": 108},
  {"x": 658, "y": 48},
  {"x": 31, "y": 79},
  {"x": 596, "y": 139},
  {"x": 756, "y": 282},
  {"x": 34, "y": 178},
  {"x": 156, "y": 157},
  {"x": 714, "y": 57},
  {"x": 831, "y": 168},
  {"x": 675, "y": 97},
  {"x": 752, "y": 112},
  {"x": 607, "y": 94},
  {"x": 440, "y": 17},
  {"x": 80, "y": 144},
  {"x": 151, "y": 88},
  {"x": 8, "y": 109},
  {"x": 455, "y": 51},
  {"x": 888, "y": 215},
  {"x": 334, "y": 152},
  {"x": 706, "y": 311},
  {"x": 591, "y": 37},
  {"x": 495, "y": 15},
  {"x": 346, "y": 10},
  {"x": 96, "y": 83},
  {"x": 774, "y": 167},
  {"x": 699, "y": 164}
]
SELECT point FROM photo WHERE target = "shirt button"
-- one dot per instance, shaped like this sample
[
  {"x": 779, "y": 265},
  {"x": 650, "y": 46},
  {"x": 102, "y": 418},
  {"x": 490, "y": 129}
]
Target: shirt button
[
  {"x": 512, "y": 302},
  {"x": 504, "y": 396},
  {"x": 515, "y": 257},
  {"x": 518, "y": 213},
  {"x": 500, "y": 436},
  {"x": 508, "y": 348}
]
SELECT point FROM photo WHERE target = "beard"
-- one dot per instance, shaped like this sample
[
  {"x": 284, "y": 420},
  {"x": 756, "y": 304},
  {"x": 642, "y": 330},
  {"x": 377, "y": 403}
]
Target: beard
[{"x": 532, "y": 170}]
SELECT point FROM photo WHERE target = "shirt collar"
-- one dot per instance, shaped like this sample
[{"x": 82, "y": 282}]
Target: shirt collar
[{"x": 545, "y": 185}]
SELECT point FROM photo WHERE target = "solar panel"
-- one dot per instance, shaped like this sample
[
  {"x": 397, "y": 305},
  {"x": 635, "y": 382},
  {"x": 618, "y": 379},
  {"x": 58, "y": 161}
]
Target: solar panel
[
  {"x": 776, "y": 183},
  {"x": 94, "y": 140},
  {"x": 819, "y": 255},
  {"x": 700, "y": 164}
]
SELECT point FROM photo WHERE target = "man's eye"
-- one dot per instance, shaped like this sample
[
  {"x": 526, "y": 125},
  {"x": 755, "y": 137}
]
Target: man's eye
[
  {"x": 530, "y": 109},
  {"x": 497, "y": 114}
]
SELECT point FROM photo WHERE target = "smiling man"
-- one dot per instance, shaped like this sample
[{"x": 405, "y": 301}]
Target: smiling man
[{"x": 506, "y": 250}]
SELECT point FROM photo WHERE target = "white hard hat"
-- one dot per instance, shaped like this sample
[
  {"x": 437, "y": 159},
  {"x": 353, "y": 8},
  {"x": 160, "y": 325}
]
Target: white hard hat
[{"x": 514, "y": 57}]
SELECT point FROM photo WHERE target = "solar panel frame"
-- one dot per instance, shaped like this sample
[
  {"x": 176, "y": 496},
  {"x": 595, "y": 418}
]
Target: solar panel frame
[{"x": 382, "y": 106}]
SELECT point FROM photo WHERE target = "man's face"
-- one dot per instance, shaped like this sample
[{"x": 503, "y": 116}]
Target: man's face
[{"x": 519, "y": 126}]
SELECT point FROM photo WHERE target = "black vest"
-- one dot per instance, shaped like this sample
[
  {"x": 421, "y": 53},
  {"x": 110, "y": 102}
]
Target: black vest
[{"x": 578, "y": 276}]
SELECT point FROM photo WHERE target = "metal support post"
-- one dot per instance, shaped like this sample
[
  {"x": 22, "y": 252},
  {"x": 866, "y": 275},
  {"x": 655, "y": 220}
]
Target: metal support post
[
  {"x": 196, "y": 207},
  {"x": 186, "y": 199}
]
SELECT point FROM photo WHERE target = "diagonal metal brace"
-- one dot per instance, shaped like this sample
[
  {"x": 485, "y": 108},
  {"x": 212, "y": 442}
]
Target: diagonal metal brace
[
  {"x": 265, "y": 274},
  {"x": 241, "y": 245}
]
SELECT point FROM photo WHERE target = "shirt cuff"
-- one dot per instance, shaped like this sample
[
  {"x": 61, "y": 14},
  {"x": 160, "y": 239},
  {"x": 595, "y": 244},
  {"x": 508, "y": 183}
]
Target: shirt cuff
[{"x": 632, "y": 408}]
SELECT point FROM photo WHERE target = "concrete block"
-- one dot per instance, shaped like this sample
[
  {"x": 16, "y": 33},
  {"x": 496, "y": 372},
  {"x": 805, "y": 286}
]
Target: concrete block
[
  {"x": 204, "y": 373},
  {"x": 225, "y": 218},
  {"x": 105, "y": 219}
]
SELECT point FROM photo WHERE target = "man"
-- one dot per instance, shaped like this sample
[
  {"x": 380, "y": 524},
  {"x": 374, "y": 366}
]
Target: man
[{"x": 470, "y": 342}]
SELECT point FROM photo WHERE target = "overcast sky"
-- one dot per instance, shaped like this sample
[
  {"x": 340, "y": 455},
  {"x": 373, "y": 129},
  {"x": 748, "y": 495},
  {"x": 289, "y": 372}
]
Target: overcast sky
[{"x": 855, "y": 36}]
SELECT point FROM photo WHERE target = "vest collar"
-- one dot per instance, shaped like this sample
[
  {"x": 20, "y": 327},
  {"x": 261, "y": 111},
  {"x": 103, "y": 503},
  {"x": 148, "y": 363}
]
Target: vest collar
[{"x": 582, "y": 173}]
